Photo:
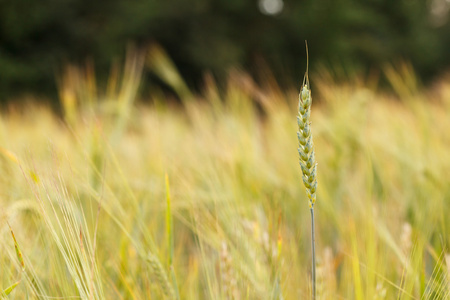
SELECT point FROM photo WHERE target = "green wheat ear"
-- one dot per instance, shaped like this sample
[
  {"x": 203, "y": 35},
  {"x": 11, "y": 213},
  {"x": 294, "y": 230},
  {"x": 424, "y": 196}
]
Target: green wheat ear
[
  {"x": 307, "y": 159},
  {"x": 305, "y": 141}
]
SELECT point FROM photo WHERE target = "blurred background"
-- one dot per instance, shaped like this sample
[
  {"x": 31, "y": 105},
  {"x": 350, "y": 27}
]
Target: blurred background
[
  {"x": 166, "y": 166},
  {"x": 347, "y": 37}
]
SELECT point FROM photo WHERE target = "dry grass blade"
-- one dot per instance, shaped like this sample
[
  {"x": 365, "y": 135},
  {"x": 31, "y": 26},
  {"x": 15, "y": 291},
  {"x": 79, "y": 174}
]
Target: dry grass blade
[
  {"x": 16, "y": 246},
  {"x": 170, "y": 238}
]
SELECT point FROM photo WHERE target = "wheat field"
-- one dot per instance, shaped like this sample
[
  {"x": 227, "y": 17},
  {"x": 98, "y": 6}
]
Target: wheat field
[{"x": 119, "y": 198}]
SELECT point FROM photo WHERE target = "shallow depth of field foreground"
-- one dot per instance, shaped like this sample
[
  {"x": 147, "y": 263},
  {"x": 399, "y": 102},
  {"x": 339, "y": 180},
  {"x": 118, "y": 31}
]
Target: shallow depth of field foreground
[{"x": 95, "y": 217}]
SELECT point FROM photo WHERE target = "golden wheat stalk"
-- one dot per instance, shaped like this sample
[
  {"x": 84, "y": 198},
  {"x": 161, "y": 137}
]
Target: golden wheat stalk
[
  {"x": 161, "y": 276},
  {"x": 307, "y": 158}
]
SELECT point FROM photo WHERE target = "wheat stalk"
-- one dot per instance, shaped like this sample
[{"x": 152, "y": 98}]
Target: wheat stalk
[
  {"x": 307, "y": 158},
  {"x": 161, "y": 276}
]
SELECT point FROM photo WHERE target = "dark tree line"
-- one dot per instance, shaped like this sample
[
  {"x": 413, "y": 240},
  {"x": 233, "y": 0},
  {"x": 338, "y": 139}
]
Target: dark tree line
[{"x": 38, "y": 37}]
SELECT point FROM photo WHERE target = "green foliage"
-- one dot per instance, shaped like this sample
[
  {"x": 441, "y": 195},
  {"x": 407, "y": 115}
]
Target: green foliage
[
  {"x": 38, "y": 38},
  {"x": 8, "y": 290}
]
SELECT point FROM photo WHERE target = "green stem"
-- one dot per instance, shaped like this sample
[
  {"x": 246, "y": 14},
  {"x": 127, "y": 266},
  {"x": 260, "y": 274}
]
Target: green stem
[{"x": 313, "y": 248}]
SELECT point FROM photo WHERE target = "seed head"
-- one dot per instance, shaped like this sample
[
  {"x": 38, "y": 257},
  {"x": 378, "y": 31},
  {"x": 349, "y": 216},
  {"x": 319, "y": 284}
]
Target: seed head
[{"x": 305, "y": 142}]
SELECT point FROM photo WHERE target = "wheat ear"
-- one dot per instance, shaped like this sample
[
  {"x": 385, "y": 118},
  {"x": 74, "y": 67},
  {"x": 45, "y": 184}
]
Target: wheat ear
[
  {"x": 307, "y": 158},
  {"x": 161, "y": 276}
]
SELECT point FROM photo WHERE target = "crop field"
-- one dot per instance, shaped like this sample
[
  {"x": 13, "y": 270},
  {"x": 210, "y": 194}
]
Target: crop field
[{"x": 199, "y": 195}]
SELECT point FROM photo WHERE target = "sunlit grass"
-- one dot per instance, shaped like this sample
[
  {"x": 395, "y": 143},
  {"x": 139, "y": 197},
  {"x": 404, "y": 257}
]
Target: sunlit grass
[{"x": 236, "y": 193}]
